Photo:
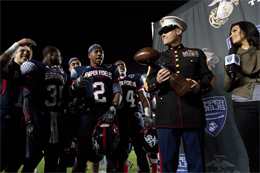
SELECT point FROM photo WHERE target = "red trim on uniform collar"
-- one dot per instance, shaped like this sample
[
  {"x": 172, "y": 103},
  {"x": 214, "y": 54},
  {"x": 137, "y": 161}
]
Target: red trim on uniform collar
[{"x": 96, "y": 66}]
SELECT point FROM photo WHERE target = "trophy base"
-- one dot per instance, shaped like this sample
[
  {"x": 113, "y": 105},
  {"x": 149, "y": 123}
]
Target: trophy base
[{"x": 180, "y": 84}]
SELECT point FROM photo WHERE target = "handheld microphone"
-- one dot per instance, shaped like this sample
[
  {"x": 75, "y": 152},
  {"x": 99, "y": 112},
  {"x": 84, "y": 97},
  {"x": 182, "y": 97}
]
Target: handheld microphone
[{"x": 232, "y": 62}]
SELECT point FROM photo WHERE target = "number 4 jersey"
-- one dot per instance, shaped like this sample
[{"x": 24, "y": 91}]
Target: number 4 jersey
[{"x": 131, "y": 85}]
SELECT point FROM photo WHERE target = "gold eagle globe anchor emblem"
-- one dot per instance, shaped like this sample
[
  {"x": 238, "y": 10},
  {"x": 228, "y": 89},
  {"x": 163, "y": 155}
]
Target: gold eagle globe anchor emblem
[{"x": 219, "y": 15}]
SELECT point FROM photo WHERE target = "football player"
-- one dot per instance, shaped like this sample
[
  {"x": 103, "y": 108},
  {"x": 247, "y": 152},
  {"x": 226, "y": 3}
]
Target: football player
[
  {"x": 12, "y": 127},
  {"x": 44, "y": 82},
  {"x": 130, "y": 120},
  {"x": 102, "y": 94},
  {"x": 152, "y": 100},
  {"x": 70, "y": 123},
  {"x": 68, "y": 96}
]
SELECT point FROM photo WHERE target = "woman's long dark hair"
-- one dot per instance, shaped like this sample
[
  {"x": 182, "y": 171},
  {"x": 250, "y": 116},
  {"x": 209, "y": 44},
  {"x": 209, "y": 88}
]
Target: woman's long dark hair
[{"x": 250, "y": 32}]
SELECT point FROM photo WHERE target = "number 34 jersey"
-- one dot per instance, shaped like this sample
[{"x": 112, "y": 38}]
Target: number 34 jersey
[
  {"x": 131, "y": 85},
  {"x": 43, "y": 85},
  {"x": 103, "y": 84}
]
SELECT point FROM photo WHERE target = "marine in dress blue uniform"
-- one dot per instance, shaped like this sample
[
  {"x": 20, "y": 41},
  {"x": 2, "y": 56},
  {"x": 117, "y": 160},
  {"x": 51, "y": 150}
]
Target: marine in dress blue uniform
[{"x": 180, "y": 117}]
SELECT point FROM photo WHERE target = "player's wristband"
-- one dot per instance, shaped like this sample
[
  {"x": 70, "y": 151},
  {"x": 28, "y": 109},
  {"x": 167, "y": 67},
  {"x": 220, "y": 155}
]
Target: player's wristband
[
  {"x": 146, "y": 111},
  {"x": 12, "y": 50},
  {"x": 73, "y": 87},
  {"x": 115, "y": 105}
]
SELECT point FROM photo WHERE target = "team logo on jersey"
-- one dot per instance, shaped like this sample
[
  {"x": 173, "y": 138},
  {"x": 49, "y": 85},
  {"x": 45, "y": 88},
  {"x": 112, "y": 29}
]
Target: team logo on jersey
[
  {"x": 216, "y": 114},
  {"x": 190, "y": 53},
  {"x": 103, "y": 73},
  {"x": 53, "y": 75},
  {"x": 219, "y": 15},
  {"x": 182, "y": 167},
  {"x": 127, "y": 83},
  {"x": 131, "y": 76},
  {"x": 137, "y": 114},
  {"x": 108, "y": 65},
  {"x": 221, "y": 165},
  {"x": 17, "y": 74},
  {"x": 59, "y": 67}
]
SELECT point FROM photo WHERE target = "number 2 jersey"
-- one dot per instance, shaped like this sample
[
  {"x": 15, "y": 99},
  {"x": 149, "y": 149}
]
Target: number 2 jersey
[
  {"x": 131, "y": 85},
  {"x": 43, "y": 87},
  {"x": 103, "y": 85}
]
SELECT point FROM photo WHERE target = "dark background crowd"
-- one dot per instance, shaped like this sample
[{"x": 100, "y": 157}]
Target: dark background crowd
[{"x": 121, "y": 27}]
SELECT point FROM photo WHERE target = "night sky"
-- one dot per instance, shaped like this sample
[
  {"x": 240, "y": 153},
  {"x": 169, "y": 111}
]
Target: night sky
[{"x": 120, "y": 27}]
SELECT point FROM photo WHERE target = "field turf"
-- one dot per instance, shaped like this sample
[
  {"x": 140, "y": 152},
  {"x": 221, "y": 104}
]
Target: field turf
[{"x": 132, "y": 158}]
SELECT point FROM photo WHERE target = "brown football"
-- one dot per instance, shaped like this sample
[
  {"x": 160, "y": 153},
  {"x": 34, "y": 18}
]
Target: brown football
[{"x": 145, "y": 54}]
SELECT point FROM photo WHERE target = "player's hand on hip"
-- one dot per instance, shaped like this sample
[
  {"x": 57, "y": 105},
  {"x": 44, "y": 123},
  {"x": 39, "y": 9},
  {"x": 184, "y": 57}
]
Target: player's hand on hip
[
  {"x": 81, "y": 81},
  {"x": 163, "y": 75},
  {"x": 109, "y": 115}
]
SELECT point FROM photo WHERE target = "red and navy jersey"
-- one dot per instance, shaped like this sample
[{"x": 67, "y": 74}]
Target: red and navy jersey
[
  {"x": 131, "y": 84},
  {"x": 43, "y": 85},
  {"x": 11, "y": 88},
  {"x": 103, "y": 85}
]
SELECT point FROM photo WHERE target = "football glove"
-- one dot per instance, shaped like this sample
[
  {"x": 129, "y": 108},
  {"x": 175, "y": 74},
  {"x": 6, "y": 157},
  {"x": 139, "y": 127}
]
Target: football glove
[
  {"x": 148, "y": 122},
  {"x": 81, "y": 81},
  {"x": 108, "y": 117},
  {"x": 31, "y": 131}
]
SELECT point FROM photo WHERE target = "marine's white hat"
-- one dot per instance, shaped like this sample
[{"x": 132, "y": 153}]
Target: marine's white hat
[{"x": 171, "y": 22}]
